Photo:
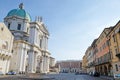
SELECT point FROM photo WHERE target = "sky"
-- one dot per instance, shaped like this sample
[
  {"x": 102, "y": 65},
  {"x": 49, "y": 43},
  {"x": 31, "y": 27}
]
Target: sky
[{"x": 72, "y": 24}]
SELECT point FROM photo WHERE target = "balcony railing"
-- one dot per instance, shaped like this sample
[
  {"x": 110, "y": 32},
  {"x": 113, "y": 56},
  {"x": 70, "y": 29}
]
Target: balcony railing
[
  {"x": 104, "y": 59},
  {"x": 5, "y": 52}
]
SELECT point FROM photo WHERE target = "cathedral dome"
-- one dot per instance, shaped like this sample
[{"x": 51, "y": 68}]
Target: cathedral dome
[{"x": 20, "y": 12}]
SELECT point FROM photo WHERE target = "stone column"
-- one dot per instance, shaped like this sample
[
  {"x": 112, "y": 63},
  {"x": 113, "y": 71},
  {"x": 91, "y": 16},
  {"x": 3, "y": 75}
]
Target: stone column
[
  {"x": 35, "y": 61},
  {"x": 44, "y": 64},
  {"x": 24, "y": 60},
  {"x": 7, "y": 65},
  {"x": 31, "y": 61},
  {"x": 46, "y": 43},
  {"x": 41, "y": 64},
  {"x": 47, "y": 64},
  {"x": 43, "y": 43},
  {"x": 20, "y": 60}
]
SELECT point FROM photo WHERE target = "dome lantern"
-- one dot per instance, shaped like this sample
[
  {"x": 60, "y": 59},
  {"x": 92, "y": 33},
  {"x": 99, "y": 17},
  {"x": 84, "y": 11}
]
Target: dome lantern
[{"x": 21, "y": 6}]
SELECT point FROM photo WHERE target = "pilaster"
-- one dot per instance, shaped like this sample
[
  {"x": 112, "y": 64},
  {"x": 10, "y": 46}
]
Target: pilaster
[{"x": 32, "y": 61}]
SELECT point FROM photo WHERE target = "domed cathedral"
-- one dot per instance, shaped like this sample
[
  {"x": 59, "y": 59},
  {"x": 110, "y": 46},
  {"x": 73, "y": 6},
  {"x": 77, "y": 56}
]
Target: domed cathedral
[{"x": 30, "y": 48}]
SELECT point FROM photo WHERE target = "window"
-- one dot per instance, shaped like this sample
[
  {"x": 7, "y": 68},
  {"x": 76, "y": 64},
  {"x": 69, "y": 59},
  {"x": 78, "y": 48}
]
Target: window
[
  {"x": 3, "y": 59},
  {"x": 119, "y": 30},
  {"x": 116, "y": 66},
  {"x": 26, "y": 40},
  {"x": 27, "y": 30},
  {"x": 19, "y": 27},
  {"x": 100, "y": 49},
  {"x": 40, "y": 43},
  {"x": 12, "y": 51},
  {"x": 108, "y": 43},
  {"x": 27, "y": 52},
  {"x": 114, "y": 39},
  {"x": 2, "y": 29},
  {"x": 8, "y": 25},
  {"x": 111, "y": 54},
  {"x": 116, "y": 50},
  {"x": 103, "y": 46}
]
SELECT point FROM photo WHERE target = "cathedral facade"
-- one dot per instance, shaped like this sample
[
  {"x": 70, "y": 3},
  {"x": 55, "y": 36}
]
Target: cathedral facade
[{"x": 30, "y": 46}]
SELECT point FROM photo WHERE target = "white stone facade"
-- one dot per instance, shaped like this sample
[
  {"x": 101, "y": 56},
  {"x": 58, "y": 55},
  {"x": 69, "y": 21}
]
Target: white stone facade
[
  {"x": 6, "y": 43},
  {"x": 30, "y": 51},
  {"x": 52, "y": 62}
]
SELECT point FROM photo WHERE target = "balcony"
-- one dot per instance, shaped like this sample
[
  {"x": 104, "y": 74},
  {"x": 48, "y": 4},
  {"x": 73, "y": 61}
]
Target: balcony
[{"x": 104, "y": 59}]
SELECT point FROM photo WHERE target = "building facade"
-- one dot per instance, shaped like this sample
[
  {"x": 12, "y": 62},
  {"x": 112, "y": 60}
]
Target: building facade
[
  {"x": 70, "y": 66},
  {"x": 52, "y": 62},
  {"x": 84, "y": 64},
  {"x": 89, "y": 58},
  {"x": 99, "y": 54},
  {"x": 30, "y": 46},
  {"x": 106, "y": 49},
  {"x": 92, "y": 56},
  {"x": 114, "y": 43},
  {"x": 6, "y": 43},
  {"x": 103, "y": 55}
]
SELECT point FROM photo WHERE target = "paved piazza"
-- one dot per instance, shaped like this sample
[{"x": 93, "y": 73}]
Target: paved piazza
[
  {"x": 68, "y": 76},
  {"x": 62, "y": 76}
]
